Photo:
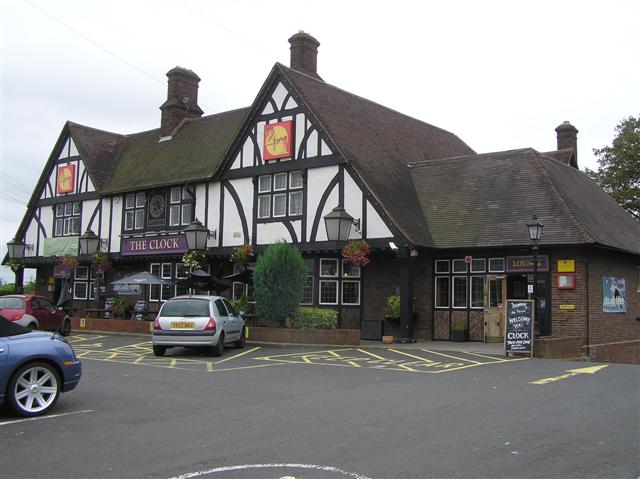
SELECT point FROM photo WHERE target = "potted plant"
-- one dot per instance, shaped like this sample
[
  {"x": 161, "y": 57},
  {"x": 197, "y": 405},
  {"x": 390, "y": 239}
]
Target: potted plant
[
  {"x": 459, "y": 331},
  {"x": 392, "y": 308},
  {"x": 356, "y": 252}
]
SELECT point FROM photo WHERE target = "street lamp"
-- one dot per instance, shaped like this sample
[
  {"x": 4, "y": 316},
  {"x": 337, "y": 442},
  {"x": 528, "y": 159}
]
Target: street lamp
[
  {"x": 535, "y": 233},
  {"x": 88, "y": 242},
  {"x": 15, "y": 248},
  {"x": 338, "y": 224},
  {"x": 196, "y": 234}
]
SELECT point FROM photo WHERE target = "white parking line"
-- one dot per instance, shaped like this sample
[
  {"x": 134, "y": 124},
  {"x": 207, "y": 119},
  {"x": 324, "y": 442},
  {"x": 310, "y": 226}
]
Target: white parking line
[
  {"x": 50, "y": 416},
  {"x": 270, "y": 466}
]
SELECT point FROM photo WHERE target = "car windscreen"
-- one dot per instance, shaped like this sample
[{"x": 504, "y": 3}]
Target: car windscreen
[
  {"x": 185, "y": 307},
  {"x": 12, "y": 303},
  {"x": 9, "y": 328}
]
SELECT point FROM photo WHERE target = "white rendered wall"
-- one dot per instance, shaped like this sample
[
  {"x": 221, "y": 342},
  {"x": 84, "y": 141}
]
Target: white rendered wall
[
  {"x": 317, "y": 181},
  {"x": 269, "y": 233},
  {"x": 116, "y": 224},
  {"x": 376, "y": 227}
]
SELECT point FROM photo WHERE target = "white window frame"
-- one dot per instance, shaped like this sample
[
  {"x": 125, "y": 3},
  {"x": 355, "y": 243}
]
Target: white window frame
[
  {"x": 335, "y": 281},
  {"x": 260, "y": 189},
  {"x": 81, "y": 277},
  {"x": 343, "y": 282},
  {"x": 175, "y": 221},
  {"x": 280, "y": 175},
  {"x": 453, "y": 292},
  {"x": 497, "y": 270},
  {"x": 483, "y": 280},
  {"x": 90, "y": 293},
  {"x": 178, "y": 197},
  {"x": 484, "y": 265},
  {"x": 279, "y": 195},
  {"x": 455, "y": 262},
  {"x": 337, "y": 263},
  {"x": 185, "y": 219},
  {"x": 291, "y": 185},
  {"x": 129, "y": 205},
  {"x": 359, "y": 269},
  {"x": 313, "y": 284},
  {"x": 267, "y": 200},
  {"x": 448, "y": 290},
  {"x": 151, "y": 288},
  {"x": 291, "y": 195},
  {"x": 441, "y": 261},
  {"x": 141, "y": 200},
  {"x": 75, "y": 292}
]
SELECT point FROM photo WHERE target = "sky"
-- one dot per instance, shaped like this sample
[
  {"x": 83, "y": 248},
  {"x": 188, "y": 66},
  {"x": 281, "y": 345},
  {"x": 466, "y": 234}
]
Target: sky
[{"x": 499, "y": 74}]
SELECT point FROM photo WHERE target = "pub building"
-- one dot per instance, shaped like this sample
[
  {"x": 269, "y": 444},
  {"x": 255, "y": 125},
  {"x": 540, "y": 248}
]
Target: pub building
[{"x": 448, "y": 228}]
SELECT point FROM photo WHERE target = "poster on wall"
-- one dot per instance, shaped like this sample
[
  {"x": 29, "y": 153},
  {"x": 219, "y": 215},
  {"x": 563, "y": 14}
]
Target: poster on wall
[{"x": 613, "y": 295}]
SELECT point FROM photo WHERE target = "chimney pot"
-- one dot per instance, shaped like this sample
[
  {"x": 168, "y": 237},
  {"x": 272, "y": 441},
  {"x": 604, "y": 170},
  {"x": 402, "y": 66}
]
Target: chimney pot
[
  {"x": 304, "y": 53},
  {"x": 182, "y": 99},
  {"x": 567, "y": 137}
]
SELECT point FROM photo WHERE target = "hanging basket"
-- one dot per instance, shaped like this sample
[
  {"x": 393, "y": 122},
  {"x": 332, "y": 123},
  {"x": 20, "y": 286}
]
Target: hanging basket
[{"x": 356, "y": 252}]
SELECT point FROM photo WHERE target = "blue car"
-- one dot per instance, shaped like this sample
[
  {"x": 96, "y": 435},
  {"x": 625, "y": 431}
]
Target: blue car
[{"x": 35, "y": 367}]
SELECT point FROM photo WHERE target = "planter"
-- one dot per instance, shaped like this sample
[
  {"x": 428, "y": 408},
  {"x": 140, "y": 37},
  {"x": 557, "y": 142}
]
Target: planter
[
  {"x": 459, "y": 336},
  {"x": 388, "y": 339},
  {"x": 344, "y": 337}
]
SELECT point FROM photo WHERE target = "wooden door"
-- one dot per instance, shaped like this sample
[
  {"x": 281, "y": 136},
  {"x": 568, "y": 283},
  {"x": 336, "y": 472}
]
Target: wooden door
[{"x": 495, "y": 291}]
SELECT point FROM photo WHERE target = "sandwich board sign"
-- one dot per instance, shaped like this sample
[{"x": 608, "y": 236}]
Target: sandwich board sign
[{"x": 518, "y": 335}]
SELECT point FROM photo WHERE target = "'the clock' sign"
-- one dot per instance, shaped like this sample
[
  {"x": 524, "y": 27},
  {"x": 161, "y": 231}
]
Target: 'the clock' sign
[
  {"x": 277, "y": 140},
  {"x": 66, "y": 178}
]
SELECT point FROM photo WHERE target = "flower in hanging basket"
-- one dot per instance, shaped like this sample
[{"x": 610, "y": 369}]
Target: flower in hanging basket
[
  {"x": 68, "y": 260},
  {"x": 356, "y": 252},
  {"x": 193, "y": 259},
  {"x": 100, "y": 262},
  {"x": 14, "y": 264},
  {"x": 242, "y": 254}
]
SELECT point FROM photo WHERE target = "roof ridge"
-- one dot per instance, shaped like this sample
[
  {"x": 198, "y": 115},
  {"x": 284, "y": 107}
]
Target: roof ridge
[
  {"x": 422, "y": 163},
  {"x": 562, "y": 201},
  {"x": 100, "y": 130}
]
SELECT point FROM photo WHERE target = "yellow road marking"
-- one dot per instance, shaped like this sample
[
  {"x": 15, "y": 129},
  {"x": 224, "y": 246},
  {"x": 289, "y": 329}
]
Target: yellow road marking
[
  {"x": 495, "y": 358},
  {"x": 427, "y": 361},
  {"x": 236, "y": 356},
  {"x": 209, "y": 366},
  {"x": 371, "y": 354},
  {"x": 451, "y": 357},
  {"x": 173, "y": 363},
  {"x": 570, "y": 373}
]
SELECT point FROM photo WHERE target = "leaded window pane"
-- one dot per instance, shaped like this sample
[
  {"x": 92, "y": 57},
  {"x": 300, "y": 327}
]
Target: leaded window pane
[
  {"x": 280, "y": 205},
  {"x": 328, "y": 292},
  {"x": 295, "y": 179},
  {"x": 350, "y": 270},
  {"x": 141, "y": 199},
  {"x": 175, "y": 194},
  {"x": 186, "y": 214},
  {"x": 264, "y": 184},
  {"x": 351, "y": 292},
  {"x": 280, "y": 181},
  {"x": 295, "y": 203},
  {"x": 307, "y": 293},
  {"x": 264, "y": 206},
  {"x": 442, "y": 292},
  {"x": 128, "y": 220},
  {"x": 174, "y": 215},
  {"x": 76, "y": 208},
  {"x": 477, "y": 291},
  {"x": 328, "y": 267},
  {"x": 139, "y": 219},
  {"x": 130, "y": 201},
  {"x": 459, "y": 291}
]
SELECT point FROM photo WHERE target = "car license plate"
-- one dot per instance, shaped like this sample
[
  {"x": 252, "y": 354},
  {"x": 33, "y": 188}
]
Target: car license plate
[{"x": 182, "y": 325}]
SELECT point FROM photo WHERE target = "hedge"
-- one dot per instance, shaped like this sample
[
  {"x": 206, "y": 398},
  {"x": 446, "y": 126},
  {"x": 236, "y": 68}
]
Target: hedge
[{"x": 315, "y": 318}]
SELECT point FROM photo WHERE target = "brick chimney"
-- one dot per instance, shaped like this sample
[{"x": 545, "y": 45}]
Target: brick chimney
[
  {"x": 567, "y": 136},
  {"x": 182, "y": 99},
  {"x": 304, "y": 53}
]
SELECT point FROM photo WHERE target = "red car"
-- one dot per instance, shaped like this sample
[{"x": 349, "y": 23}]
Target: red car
[{"x": 34, "y": 312}]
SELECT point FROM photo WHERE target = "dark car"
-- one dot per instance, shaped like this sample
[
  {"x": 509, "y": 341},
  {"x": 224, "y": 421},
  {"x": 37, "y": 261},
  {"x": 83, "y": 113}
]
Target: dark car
[
  {"x": 35, "y": 367},
  {"x": 34, "y": 312}
]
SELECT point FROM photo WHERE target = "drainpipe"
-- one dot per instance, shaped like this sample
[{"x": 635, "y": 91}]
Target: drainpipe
[{"x": 587, "y": 353}]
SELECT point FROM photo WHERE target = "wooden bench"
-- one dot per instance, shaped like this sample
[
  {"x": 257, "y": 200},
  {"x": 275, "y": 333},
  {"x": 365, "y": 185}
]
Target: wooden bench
[{"x": 98, "y": 311}]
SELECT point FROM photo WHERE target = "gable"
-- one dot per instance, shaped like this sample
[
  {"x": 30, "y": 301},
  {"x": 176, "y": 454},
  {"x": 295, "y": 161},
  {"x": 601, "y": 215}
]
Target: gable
[{"x": 279, "y": 108}]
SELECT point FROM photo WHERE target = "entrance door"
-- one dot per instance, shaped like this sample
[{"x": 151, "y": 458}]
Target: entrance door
[{"x": 495, "y": 291}]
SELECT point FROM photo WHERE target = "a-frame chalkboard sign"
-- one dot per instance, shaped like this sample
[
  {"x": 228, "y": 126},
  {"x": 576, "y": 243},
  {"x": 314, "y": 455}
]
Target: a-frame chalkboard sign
[{"x": 518, "y": 334}]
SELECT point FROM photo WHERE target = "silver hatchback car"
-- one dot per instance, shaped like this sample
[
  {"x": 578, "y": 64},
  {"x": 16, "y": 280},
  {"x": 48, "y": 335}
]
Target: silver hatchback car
[{"x": 201, "y": 321}]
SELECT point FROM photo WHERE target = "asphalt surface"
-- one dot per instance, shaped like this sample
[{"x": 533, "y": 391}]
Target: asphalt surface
[{"x": 328, "y": 412}]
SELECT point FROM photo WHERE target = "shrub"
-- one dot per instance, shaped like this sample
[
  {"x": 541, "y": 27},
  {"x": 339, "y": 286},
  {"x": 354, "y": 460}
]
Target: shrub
[
  {"x": 459, "y": 325},
  {"x": 315, "y": 318},
  {"x": 279, "y": 280},
  {"x": 392, "y": 308}
]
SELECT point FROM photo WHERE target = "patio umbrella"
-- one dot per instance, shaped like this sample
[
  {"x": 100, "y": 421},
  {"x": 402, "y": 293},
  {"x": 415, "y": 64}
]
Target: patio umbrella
[
  {"x": 65, "y": 292},
  {"x": 142, "y": 278},
  {"x": 200, "y": 279},
  {"x": 244, "y": 276}
]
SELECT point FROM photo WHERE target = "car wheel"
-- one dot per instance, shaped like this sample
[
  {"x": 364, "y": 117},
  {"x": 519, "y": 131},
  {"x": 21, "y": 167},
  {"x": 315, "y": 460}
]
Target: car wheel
[
  {"x": 159, "y": 350},
  {"x": 240, "y": 342},
  {"x": 32, "y": 326},
  {"x": 34, "y": 389},
  {"x": 65, "y": 330},
  {"x": 218, "y": 349}
]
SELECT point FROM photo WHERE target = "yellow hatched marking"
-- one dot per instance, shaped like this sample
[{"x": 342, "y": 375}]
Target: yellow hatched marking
[
  {"x": 137, "y": 361},
  {"x": 451, "y": 357},
  {"x": 333, "y": 353},
  {"x": 173, "y": 363},
  {"x": 478, "y": 364},
  {"x": 494, "y": 358},
  {"x": 427, "y": 361},
  {"x": 236, "y": 356},
  {"x": 209, "y": 366},
  {"x": 371, "y": 354}
]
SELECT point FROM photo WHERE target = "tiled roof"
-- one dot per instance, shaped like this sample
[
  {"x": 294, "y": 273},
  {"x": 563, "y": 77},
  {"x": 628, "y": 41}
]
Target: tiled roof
[
  {"x": 379, "y": 143},
  {"x": 486, "y": 200}
]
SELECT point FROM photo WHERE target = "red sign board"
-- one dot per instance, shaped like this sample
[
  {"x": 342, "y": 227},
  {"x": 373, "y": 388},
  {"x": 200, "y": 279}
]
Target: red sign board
[
  {"x": 278, "y": 140},
  {"x": 66, "y": 178}
]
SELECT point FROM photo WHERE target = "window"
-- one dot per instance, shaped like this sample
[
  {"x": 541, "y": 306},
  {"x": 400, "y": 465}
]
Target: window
[
  {"x": 82, "y": 273},
  {"x": 307, "y": 293},
  {"x": 442, "y": 266},
  {"x": 459, "y": 266},
  {"x": 351, "y": 292},
  {"x": 496, "y": 265},
  {"x": 495, "y": 292},
  {"x": 459, "y": 291},
  {"x": 80, "y": 290},
  {"x": 67, "y": 219},
  {"x": 328, "y": 267},
  {"x": 134, "y": 205},
  {"x": 478, "y": 265},
  {"x": 477, "y": 291},
  {"x": 181, "y": 206},
  {"x": 328, "y": 292},
  {"x": 237, "y": 291},
  {"x": 442, "y": 292},
  {"x": 277, "y": 195},
  {"x": 350, "y": 270}
]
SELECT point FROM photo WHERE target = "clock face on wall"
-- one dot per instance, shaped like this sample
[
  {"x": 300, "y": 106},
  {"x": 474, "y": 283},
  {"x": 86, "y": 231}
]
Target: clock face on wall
[{"x": 156, "y": 216}]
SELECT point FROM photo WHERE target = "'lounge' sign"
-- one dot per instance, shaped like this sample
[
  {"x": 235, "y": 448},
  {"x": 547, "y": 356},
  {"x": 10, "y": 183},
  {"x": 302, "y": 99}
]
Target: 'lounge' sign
[
  {"x": 154, "y": 245},
  {"x": 524, "y": 264}
]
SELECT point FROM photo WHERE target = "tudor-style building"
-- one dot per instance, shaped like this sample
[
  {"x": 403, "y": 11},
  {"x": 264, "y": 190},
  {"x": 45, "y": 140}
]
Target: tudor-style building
[{"x": 447, "y": 226}]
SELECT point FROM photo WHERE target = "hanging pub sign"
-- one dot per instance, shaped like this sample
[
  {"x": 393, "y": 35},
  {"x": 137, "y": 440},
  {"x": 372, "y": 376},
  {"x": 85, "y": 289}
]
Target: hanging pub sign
[
  {"x": 277, "y": 140},
  {"x": 524, "y": 264},
  {"x": 613, "y": 295},
  {"x": 518, "y": 334},
  {"x": 154, "y": 245},
  {"x": 66, "y": 179}
]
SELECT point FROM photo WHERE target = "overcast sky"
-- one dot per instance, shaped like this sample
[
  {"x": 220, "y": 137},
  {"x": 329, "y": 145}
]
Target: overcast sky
[{"x": 499, "y": 74}]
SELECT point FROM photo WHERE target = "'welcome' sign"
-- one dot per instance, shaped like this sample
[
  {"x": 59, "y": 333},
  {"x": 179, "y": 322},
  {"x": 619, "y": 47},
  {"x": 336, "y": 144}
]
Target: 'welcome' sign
[{"x": 518, "y": 335}]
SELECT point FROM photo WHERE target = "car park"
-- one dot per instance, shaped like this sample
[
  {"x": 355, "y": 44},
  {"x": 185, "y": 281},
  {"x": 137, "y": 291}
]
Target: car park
[
  {"x": 197, "y": 321},
  {"x": 35, "y": 312},
  {"x": 35, "y": 367}
]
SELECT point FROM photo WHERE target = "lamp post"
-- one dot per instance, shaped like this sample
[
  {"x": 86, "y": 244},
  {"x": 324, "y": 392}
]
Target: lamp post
[
  {"x": 535, "y": 233},
  {"x": 15, "y": 251},
  {"x": 196, "y": 234},
  {"x": 89, "y": 243},
  {"x": 338, "y": 224}
]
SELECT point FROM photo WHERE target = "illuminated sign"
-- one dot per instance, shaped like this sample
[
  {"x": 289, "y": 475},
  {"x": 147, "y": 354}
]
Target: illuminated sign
[
  {"x": 277, "y": 140},
  {"x": 66, "y": 178}
]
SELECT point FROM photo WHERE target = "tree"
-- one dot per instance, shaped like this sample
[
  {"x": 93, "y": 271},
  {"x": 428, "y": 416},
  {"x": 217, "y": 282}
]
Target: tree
[
  {"x": 619, "y": 166},
  {"x": 279, "y": 280}
]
